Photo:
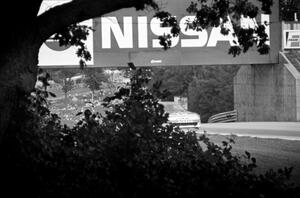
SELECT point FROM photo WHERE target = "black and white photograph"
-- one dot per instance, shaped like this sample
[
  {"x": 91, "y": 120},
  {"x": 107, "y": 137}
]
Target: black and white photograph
[{"x": 150, "y": 98}]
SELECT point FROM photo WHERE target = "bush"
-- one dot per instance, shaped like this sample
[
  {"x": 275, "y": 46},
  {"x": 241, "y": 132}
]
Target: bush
[{"x": 131, "y": 152}]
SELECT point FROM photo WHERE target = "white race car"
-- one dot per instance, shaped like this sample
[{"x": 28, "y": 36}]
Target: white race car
[
  {"x": 185, "y": 119},
  {"x": 180, "y": 117}
]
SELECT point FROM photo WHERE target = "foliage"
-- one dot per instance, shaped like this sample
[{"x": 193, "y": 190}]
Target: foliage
[
  {"x": 19, "y": 55},
  {"x": 131, "y": 152},
  {"x": 75, "y": 35},
  {"x": 58, "y": 74},
  {"x": 93, "y": 79},
  {"x": 288, "y": 8},
  {"x": 175, "y": 80},
  {"x": 63, "y": 77},
  {"x": 207, "y": 14},
  {"x": 209, "y": 89},
  {"x": 67, "y": 86},
  {"x": 216, "y": 13}
]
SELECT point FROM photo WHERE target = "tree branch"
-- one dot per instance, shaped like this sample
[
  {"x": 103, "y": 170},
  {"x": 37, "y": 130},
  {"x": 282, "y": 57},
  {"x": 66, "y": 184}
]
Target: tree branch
[{"x": 66, "y": 14}]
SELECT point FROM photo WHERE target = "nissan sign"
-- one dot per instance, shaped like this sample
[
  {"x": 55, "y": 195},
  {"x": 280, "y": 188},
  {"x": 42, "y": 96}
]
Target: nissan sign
[{"x": 128, "y": 35}]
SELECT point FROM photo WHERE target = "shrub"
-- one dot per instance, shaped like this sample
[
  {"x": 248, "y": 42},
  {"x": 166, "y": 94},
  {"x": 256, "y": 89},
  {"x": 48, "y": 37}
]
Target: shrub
[{"x": 131, "y": 152}]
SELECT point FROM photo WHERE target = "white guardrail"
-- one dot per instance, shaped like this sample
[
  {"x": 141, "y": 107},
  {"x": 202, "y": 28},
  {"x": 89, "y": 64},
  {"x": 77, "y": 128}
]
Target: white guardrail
[{"x": 228, "y": 116}]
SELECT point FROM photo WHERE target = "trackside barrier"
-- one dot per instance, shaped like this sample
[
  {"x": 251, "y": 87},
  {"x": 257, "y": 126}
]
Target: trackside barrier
[{"x": 229, "y": 116}]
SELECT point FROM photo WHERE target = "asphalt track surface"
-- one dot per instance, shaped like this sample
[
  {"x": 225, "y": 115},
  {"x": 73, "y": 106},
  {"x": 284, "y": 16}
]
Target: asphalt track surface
[{"x": 280, "y": 130}]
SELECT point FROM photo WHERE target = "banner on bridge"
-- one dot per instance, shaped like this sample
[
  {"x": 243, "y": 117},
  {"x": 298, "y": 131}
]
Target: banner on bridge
[{"x": 130, "y": 36}]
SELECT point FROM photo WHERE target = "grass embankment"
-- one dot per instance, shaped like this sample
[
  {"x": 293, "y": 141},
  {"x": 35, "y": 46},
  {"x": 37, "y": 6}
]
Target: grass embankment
[{"x": 269, "y": 153}]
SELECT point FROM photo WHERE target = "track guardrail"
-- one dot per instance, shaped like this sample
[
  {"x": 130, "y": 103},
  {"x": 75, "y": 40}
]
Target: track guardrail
[{"x": 228, "y": 116}]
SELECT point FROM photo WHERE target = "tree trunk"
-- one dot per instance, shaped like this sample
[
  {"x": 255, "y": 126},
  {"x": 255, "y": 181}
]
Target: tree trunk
[{"x": 18, "y": 72}]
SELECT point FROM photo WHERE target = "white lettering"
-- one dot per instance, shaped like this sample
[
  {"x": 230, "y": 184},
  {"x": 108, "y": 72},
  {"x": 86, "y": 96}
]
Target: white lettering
[
  {"x": 124, "y": 40},
  {"x": 142, "y": 32},
  {"x": 190, "y": 38}
]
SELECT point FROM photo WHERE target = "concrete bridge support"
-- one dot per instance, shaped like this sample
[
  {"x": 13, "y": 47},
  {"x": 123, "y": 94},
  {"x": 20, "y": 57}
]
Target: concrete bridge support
[{"x": 268, "y": 92}]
